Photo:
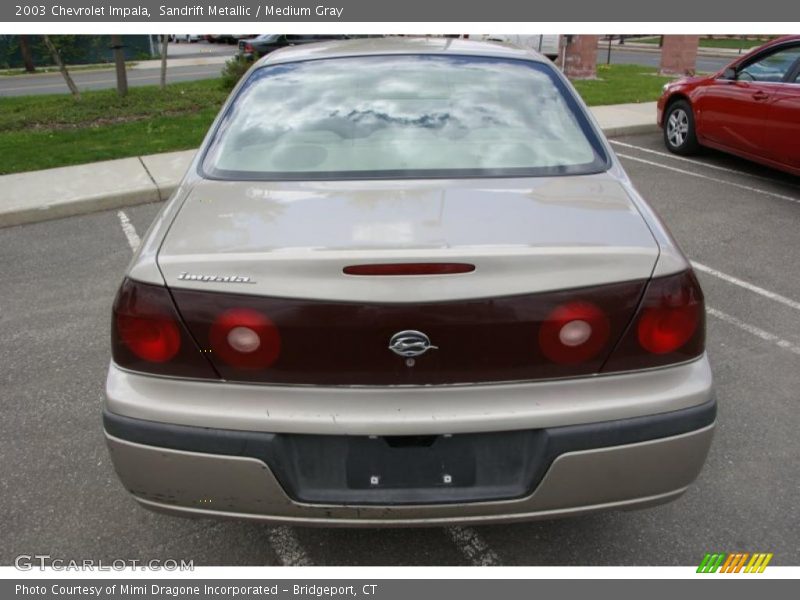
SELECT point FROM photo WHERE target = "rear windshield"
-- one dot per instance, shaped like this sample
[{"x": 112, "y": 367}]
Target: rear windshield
[{"x": 403, "y": 117}]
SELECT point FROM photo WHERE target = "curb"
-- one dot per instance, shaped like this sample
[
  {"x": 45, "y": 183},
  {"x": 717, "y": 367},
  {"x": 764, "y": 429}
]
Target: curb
[
  {"x": 152, "y": 179},
  {"x": 48, "y": 212},
  {"x": 631, "y": 129},
  {"x": 62, "y": 192}
]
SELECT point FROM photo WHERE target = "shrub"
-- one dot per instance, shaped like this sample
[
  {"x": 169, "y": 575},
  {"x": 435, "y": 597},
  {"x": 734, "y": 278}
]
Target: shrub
[{"x": 233, "y": 71}]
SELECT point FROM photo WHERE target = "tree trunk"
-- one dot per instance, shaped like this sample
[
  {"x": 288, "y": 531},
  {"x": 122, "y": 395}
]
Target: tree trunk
[
  {"x": 62, "y": 67},
  {"x": 25, "y": 50},
  {"x": 164, "y": 46},
  {"x": 119, "y": 61}
]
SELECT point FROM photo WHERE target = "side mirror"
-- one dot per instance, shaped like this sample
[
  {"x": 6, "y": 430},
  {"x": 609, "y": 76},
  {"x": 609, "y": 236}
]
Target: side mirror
[{"x": 729, "y": 73}]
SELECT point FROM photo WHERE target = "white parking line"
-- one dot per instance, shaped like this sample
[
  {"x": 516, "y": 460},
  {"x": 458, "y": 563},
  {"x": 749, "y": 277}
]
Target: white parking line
[
  {"x": 714, "y": 179},
  {"x": 472, "y": 545},
  {"x": 288, "y": 548},
  {"x": 753, "y": 330},
  {"x": 748, "y": 286},
  {"x": 129, "y": 230},
  {"x": 698, "y": 162}
]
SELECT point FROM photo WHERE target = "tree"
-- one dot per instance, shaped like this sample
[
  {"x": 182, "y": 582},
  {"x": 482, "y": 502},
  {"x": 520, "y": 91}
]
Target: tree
[
  {"x": 27, "y": 57},
  {"x": 61, "y": 67},
  {"x": 164, "y": 46},
  {"x": 119, "y": 61}
]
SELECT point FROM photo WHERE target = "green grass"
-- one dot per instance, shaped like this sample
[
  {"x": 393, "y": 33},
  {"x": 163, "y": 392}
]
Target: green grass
[
  {"x": 734, "y": 43},
  {"x": 41, "y": 132},
  {"x": 54, "y": 111},
  {"x": 33, "y": 150},
  {"x": 653, "y": 39},
  {"x": 619, "y": 84}
]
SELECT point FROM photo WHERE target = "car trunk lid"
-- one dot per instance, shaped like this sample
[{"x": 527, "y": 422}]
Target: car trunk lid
[{"x": 295, "y": 240}]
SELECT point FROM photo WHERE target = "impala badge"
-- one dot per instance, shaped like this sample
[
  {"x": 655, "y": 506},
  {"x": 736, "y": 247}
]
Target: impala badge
[
  {"x": 410, "y": 343},
  {"x": 184, "y": 276}
]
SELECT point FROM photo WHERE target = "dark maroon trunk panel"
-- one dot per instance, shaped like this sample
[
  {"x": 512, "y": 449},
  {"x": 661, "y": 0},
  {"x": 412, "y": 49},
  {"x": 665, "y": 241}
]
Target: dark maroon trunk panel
[{"x": 338, "y": 343}]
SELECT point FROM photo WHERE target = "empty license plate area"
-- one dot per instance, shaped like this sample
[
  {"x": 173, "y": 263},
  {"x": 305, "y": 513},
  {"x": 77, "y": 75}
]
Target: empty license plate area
[
  {"x": 410, "y": 462},
  {"x": 410, "y": 469}
]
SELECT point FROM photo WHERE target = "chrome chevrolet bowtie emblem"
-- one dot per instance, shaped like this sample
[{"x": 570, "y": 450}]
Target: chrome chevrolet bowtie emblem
[{"x": 410, "y": 343}]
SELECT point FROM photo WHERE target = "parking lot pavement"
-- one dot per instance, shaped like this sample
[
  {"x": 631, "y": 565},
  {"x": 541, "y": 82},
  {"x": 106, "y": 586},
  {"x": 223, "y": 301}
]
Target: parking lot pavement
[{"x": 737, "y": 221}]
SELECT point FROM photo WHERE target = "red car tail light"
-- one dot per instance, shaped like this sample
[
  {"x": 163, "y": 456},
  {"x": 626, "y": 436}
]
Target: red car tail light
[
  {"x": 245, "y": 339},
  {"x": 574, "y": 332},
  {"x": 565, "y": 333},
  {"x": 148, "y": 335},
  {"x": 151, "y": 338},
  {"x": 248, "y": 48},
  {"x": 668, "y": 328}
]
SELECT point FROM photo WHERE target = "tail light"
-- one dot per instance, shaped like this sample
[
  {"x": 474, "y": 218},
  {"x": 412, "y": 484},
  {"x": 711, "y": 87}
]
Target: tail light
[
  {"x": 147, "y": 334},
  {"x": 574, "y": 332},
  {"x": 152, "y": 338},
  {"x": 248, "y": 48},
  {"x": 669, "y": 326},
  {"x": 565, "y": 333},
  {"x": 245, "y": 338}
]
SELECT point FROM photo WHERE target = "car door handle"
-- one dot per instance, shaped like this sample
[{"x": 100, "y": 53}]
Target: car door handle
[{"x": 759, "y": 95}]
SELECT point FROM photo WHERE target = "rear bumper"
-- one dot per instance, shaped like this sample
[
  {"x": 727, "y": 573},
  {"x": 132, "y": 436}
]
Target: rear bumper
[
  {"x": 406, "y": 410},
  {"x": 627, "y": 463}
]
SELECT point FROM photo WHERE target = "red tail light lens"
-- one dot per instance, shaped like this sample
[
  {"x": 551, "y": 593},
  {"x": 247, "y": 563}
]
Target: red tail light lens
[
  {"x": 248, "y": 47},
  {"x": 669, "y": 326},
  {"x": 574, "y": 332},
  {"x": 151, "y": 338},
  {"x": 147, "y": 334},
  {"x": 245, "y": 339}
]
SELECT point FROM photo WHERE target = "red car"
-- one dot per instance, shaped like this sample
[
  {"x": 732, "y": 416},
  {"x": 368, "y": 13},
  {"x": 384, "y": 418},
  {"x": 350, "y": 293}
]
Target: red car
[{"x": 751, "y": 108}]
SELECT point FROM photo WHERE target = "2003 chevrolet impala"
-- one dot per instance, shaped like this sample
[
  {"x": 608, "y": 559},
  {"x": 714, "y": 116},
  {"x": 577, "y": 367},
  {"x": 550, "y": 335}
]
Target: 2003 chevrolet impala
[{"x": 407, "y": 282}]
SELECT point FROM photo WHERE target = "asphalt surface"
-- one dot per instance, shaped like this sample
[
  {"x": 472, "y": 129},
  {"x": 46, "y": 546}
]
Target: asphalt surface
[{"x": 61, "y": 497}]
